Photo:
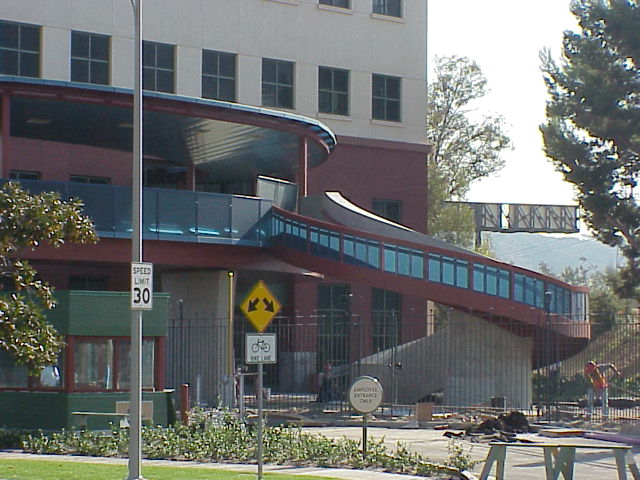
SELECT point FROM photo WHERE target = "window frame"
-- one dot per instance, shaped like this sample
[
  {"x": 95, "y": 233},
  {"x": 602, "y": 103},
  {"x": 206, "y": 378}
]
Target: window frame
[
  {"x": 386, "y": 7},
  {"x": 279, "y": 88},
  {"x": 335, "y": 94},
  {"x": 385, "y": 101},
  {"x": 219, "y": 77},
  {"x": 151, "y": 69},
  {"x": 22, "y": 52},
  {"x": 90, "y": 59},
  {"x": 334, "y": 3}
]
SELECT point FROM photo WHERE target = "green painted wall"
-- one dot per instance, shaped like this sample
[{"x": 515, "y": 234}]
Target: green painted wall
[
  {"x": 105, "y": 313},
  {"x": 52, "y": 411}
]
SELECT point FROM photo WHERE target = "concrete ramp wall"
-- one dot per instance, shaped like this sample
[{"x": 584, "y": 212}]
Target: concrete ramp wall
[{"x": 467, "y": 361}]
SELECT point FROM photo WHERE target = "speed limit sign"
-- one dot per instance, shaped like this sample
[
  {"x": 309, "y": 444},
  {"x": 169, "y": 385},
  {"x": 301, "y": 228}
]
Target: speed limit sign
[{"x": 141, "y": 286}]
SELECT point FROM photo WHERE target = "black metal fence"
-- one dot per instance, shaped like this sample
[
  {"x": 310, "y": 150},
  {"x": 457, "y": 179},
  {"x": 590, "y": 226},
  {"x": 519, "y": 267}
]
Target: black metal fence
[{"x": 459, "y": 362}]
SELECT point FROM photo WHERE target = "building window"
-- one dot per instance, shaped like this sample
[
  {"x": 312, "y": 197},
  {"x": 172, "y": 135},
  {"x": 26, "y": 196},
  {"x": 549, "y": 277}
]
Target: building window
[
  {"x": 389, "y": 209},
  {"x": 333, "y": 91},
  {"x": 24, "y": 175},
  {"x": 277, "y": 83},
  {"x": 333, "y": 325},
  {"x": 158, "y": 61},
  {"x": 385, "y": 317},
  {"x": 392, "y": 8},
  {"x": 385, "y": 98},
  {"x": 89, "y": 58},
  {"x": 19, "y": 49},
  {"x": 219, "y": 75},
  {"x": 89, "y": 179},
  {"x": 336, "y": 3}
]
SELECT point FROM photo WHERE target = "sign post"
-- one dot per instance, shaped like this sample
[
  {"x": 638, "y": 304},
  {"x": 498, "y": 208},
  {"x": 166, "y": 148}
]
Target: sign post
[
  {"x": 365, "y": 395},
  {"x": 260, "y": 307}
]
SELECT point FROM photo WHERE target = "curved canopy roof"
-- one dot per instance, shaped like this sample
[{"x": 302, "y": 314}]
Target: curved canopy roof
[{"x": 234, "y": 140}]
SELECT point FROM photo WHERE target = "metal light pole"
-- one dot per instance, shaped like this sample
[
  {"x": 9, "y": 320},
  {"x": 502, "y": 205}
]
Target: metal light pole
[{"x": 135, "y": 418}]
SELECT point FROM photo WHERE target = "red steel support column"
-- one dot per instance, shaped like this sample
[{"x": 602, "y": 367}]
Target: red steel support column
[{"x": 303, "y": 164}]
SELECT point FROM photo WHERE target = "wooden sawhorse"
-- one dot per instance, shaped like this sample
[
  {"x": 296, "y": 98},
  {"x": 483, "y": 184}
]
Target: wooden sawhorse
[{"x": 559, "y": 459}]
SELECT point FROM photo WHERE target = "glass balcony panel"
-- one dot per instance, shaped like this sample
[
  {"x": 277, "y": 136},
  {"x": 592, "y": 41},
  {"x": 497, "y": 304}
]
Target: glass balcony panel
[
  {"x": 214, "y": 217},
  {"x": 176, "y": 215},
  {"x": 245, "y": 215}
]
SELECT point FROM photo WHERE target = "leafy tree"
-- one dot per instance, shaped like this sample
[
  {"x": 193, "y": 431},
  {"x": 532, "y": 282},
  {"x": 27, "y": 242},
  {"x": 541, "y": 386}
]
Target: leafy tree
[
  {"x": 592, "y": 131},
  {"x": 466, "y": 147},
  {"x": 26, "y": 222}
]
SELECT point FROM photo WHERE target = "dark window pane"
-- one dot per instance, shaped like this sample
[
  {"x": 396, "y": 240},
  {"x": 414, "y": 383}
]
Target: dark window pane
[
  {"x": 148, "y": 54},
  {"x": 165, "y": 57},
  {"x": 268, "y": 71},
  {"x": 393, "y": 111},
  {"x": 324, "y": 102},
  {"x": 285, "y": 73},
  {"x": 148, "y": 79},
  {"x": 164, "y": 81},
  {"x": 99, "y": 73},
  {"x": 9, "y": 35},
  {"x": 393, "y": 88},
  {"x": 79, "y": 70},
  {"x": 209, "y": 63},
  {"x": 227, "y": 90},
  {"x": 79, "y": 45},
  {"x": 324, "y": 78},
  {"x": 227, "y": 65},
  {"x": 285, "y": 97},
  {"x": 30, "y": 38},
  {"x": 378, "y": 86},
  {"x": 341, "y": 80},
  {"x": 29, "y": 64},
  {"x": 377, "y": 110},
  {"x": 100, "y": 47},
  {"x": 269, "y": 95},
  {"x": 209, "y": 87},
  {"x": 8, "y": 62}
]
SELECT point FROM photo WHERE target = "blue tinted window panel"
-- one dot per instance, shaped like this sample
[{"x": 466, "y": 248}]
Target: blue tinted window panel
[
  {"x": 361, "y": 251},
  {"x": 478, "y": 278},
  {"x": 518, "y": 287},
  {"x": 492, "y": 280},
  {"x": 529, "y": 291},
  {"x": 539, "y": 293},
  {"x": 462, "y": 274},
  {"x": 404, "y": 268},
  {"x": 374, "y": 255},
  {"x": 503, "y": 283},
  {"x": 334, "y": 246},
  {"x": 435, "y": 269},
  {"x": 348, "y": 247},
  {"x": 448, "y": 271},
  {"x": 417, "y": 265},
  {"x": 390, "y": 259}
]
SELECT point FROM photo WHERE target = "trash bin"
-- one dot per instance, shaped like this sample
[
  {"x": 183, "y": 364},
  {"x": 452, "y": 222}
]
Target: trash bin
[{"x": 424, "y": 412}]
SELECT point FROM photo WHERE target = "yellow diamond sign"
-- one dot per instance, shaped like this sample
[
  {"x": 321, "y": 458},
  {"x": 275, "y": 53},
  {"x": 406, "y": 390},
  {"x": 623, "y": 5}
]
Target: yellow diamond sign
[{"x": 260, "y": 306}]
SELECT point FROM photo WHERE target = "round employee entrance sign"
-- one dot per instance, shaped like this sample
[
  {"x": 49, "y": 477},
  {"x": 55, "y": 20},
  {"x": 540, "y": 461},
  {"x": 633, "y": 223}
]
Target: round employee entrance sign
[{"x": 365, "y": 394}]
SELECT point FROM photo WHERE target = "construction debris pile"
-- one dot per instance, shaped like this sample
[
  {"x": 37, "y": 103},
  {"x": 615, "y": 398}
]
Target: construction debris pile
[{"x": 505, "y": 427}]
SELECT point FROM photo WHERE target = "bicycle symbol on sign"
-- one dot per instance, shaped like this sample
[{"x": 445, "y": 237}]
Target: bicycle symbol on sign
[{"x": 260, "y": 345}]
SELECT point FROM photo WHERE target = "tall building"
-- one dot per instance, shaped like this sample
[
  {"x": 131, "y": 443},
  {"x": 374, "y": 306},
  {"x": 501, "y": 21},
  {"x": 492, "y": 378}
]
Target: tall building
[{"x": 314, "y": 107}]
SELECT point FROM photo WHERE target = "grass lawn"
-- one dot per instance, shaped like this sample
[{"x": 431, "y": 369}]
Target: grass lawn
[{"x": 64, "y": 470}]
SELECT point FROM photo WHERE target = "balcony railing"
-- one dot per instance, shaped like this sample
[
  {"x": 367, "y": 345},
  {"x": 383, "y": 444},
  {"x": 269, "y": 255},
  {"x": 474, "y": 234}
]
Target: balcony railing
[{"x": 176, "y": 215}]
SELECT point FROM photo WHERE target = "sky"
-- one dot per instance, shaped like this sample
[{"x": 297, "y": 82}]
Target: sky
[{"x": 505, "y": 37}]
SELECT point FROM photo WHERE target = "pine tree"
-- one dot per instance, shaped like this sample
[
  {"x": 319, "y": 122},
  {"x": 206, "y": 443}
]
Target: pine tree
[{"x": 592, "y": 131}]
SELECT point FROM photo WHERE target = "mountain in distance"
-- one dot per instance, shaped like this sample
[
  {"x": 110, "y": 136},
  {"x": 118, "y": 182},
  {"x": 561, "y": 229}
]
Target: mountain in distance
[{"x": 528, "y": 250}]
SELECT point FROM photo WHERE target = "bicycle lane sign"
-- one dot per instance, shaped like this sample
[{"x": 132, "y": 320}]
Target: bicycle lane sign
[{"x": 260, "y": 348}]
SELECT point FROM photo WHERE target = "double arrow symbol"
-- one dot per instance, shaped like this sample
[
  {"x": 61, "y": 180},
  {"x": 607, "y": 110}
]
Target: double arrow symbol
[{"x": 253, "y": 305}]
